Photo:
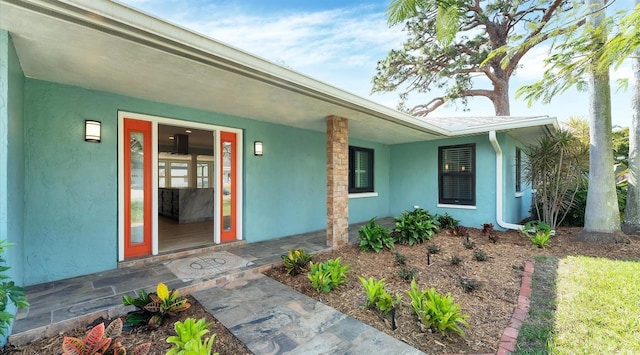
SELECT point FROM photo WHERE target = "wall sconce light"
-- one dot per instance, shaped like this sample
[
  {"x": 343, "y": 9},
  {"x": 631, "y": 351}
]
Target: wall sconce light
[
  {"x": 92, "y": 131},
  {"x": 257, "y": 148}
]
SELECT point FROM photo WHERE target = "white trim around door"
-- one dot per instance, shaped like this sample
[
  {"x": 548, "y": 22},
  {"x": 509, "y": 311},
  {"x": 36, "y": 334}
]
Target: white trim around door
[{"x": 155, "y": 121}]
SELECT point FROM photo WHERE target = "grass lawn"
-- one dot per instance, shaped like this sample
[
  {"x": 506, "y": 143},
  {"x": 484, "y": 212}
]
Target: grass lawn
[{"x": 583, "y": 305}]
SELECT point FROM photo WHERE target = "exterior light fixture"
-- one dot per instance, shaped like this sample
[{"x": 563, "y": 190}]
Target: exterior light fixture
[
  {"x": 92, "y": 131},
  {"x": 257, "y": 148}
]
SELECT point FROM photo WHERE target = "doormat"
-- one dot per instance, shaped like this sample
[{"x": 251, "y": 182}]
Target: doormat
[{"x": 206, "y": 265}]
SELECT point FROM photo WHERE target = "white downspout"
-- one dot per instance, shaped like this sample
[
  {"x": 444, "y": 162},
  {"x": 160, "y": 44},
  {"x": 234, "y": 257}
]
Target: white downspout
[{"x": 499, "y": 193}]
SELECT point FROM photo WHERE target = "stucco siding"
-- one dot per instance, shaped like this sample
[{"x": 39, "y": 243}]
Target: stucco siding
[
  {"x": 414, "y": 180},
  {"x": 11, "y": 160},
  {"x": 362, "y": 209},
  {"x": 285, "y": 189},
  {"x": 71, "y": 202},
  {"x": 516, "y": 205}
]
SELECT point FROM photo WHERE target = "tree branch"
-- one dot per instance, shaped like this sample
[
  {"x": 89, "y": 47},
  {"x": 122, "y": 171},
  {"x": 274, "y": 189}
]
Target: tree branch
[{"x": 425, "y": 109}]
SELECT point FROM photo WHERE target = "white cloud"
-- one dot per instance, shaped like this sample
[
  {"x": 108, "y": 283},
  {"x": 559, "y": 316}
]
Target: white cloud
[{"x": 305, "y": 41}]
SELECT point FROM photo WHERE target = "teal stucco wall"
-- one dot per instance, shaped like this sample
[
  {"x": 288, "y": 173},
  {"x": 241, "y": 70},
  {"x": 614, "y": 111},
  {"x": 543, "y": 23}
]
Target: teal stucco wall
[
  {"x": 516, "y": 206},
  {"x": 362, "y": 209},
  {"x": 71, "y": 203},
  {"x": 285, "y": 189},
  {"x": 414, "y": 179},
  {"x": 11, "y": 160}
]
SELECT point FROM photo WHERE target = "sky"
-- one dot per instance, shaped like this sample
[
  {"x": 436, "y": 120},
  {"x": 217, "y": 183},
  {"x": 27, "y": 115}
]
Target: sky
[{"x": 339, "y": 42}]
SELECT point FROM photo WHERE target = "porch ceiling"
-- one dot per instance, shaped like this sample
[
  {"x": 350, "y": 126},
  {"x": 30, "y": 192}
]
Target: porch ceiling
[{"x": 106, "y": 46}]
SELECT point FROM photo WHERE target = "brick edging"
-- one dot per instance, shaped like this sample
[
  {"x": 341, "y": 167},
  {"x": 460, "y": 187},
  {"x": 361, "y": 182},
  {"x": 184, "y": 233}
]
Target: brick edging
[{"x": 510, "y": 334}]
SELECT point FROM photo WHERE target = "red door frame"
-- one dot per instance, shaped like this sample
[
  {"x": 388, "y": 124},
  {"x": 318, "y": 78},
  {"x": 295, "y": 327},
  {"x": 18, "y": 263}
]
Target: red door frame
[
  {"x": 228, "y": 235},
  {"x": 144, "y": 248}
]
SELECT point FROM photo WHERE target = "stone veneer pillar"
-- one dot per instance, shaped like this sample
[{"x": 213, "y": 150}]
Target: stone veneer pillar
[{"x": 337, "y": 181}]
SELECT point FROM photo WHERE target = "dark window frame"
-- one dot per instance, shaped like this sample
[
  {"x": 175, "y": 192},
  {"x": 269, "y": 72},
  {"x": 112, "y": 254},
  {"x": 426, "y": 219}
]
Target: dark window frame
[
  {"x": 467, "y": 174},
  {"x": 518, "y": 169},
  {"x": 352, "y": 173}
]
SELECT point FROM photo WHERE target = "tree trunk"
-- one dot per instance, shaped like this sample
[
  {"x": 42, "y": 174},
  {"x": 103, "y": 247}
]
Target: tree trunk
[
  {"x": 602, "y": 217},
  {"x": 632, "y": 209},
  {"x": 501, "y": 98}
]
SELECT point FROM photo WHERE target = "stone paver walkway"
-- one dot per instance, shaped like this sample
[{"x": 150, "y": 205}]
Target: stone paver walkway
[{"x": 271, "y": 318}]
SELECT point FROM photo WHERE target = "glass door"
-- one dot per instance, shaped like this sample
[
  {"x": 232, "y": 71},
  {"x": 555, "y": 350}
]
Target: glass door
[
  {"x": 227, "y": 180},
  {"x": 137, "y": 188}
]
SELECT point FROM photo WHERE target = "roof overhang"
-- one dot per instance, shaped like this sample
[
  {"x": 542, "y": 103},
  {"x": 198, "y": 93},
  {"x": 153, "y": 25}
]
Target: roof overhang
[{"x": 103, "y": 45}]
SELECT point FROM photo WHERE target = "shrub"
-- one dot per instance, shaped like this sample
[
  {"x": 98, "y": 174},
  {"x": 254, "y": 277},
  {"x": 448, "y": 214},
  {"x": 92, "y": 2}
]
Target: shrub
[
  {"x": 9, "y": 292},
  {"x": 555, "y": 166},
  {"x": 459, "y": 231},
  {"x": 154, "y": 308},
  {"x": 407, "y": 274},
  {"x": 101, "y": 340},
  {"x": 446, "y": 221},
  {"x": 328, "y": 275},
  {"x": 436, "y": 311},
  {"x": 538, "y": 232},
  {"x": 374, "y": 237},
  {"x": 415, "y": 227},
  {"x": 400, "y": 259},
  {"x": 469, "y": 285},
  {"x": 479, "y": 255},
  {"x": 433, "y": 249},
  {"x": 487, "y": 228},
  {"x": 455, "y": 260},
  {"x": 535, "y": 226},
  {"x": 575, "y": 214},
  {"x": 541, "y": 239},
  {"x": 189, "y": 338},
  {"x": 296, "y": 261},
  {"x": 469, "y": 244}
]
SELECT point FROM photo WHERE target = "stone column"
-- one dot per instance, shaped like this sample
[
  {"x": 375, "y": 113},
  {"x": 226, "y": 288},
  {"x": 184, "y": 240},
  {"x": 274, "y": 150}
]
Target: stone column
[{"x": 337, "y": 181}]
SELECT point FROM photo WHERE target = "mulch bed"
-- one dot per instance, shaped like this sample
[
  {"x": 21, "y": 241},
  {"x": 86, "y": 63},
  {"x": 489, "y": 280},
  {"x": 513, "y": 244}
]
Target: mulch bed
[{"x": 489, "y": 308}]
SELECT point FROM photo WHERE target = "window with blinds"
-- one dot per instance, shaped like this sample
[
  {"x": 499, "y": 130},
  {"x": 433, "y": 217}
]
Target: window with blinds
[
  {"x": 456, "y": 172},
  {"x": 360, "y": 169}
]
